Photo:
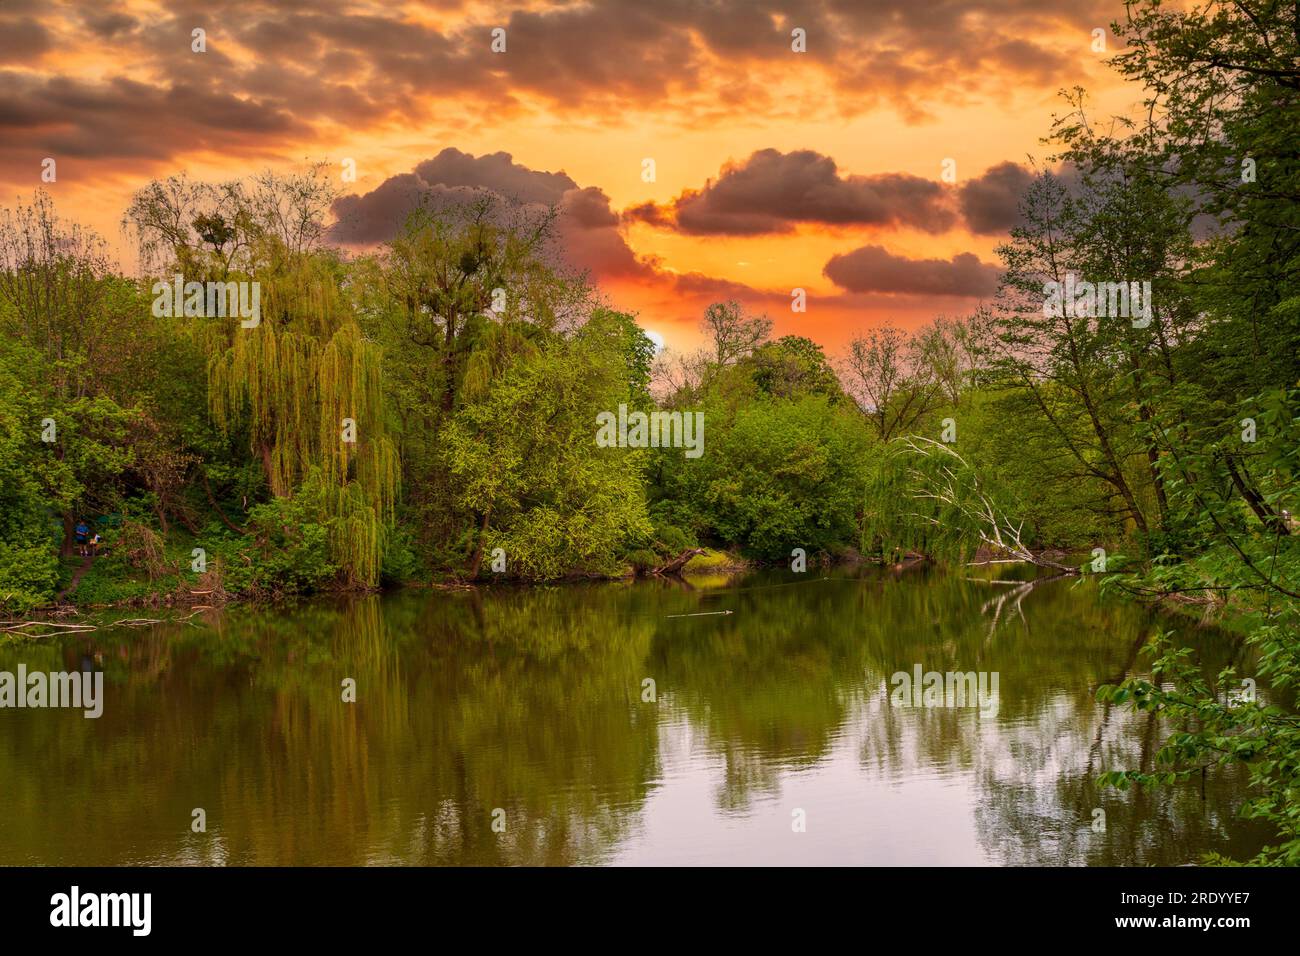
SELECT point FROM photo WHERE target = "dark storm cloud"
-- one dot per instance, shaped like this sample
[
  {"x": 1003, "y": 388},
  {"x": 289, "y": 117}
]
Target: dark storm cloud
[
  {"x": 772, "y": 191},
  {"x": 125, "y": 118},
  {"x": 330, "y": 61},
  {"x": 587, "y": 228},
  {"x": 874, "y": 269},
  {"x": 1029, "y": 59},
  {"x": 22, "y": 39},
  {"x": 378, "y": 215},
  {"x": 452, "y": 177},
  {"x": 109, "y": 25},
  {"x": 948, "y": 26},
  {"x": 949, "y": 45},
  {"x": 497, "y": 172},
  {"x": 590, "y": 208},
  {"x": 698, "y": 284},
  {"x": 631, "y": 52},
  {"x": 990, "y": 202},
  {"x": 651, "y": 213}
]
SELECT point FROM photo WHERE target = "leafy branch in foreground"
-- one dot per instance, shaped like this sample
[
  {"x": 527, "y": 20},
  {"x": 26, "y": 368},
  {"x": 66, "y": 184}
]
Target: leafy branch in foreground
[{"x": 1220, "y": 722}]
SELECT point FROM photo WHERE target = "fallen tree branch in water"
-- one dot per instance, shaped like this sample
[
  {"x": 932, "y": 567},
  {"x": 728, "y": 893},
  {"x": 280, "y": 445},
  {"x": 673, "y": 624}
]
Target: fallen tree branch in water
[
  {"x": 32, "y": 628},
  {"x": 674, "y": 567},
  {"x": 974, "y": 506},
  {"x": 19, "y": 627}
]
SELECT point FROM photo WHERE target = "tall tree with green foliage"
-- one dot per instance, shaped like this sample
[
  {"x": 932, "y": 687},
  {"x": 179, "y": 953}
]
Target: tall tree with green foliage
[
  {"x": 301, "y": 382},
  {"x": 1222, "y": 82},
  {"x": 523, "y": 457}
]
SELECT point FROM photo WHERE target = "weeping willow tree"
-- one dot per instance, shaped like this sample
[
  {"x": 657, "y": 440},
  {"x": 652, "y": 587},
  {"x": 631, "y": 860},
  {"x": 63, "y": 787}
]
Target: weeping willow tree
[
  {"x": 306, "y": 387},
  {"x": 303, "y": 384}
]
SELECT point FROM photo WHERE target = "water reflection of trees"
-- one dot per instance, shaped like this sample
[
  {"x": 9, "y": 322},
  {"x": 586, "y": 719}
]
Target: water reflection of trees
[
  {"x": 1036, "y": 765},
  {"x": 525, "y": 701},
  {"x": 529, "y": 701}
]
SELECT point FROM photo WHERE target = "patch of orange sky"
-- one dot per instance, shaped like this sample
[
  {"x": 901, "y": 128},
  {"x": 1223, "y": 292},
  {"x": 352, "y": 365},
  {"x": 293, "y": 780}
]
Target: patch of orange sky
[{"x": 996, "y": 117}]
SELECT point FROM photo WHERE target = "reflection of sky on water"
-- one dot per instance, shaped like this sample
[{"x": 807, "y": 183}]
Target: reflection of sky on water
[
  {"x": 883, "y": 796},
  {"x": 853, "y": 817}
]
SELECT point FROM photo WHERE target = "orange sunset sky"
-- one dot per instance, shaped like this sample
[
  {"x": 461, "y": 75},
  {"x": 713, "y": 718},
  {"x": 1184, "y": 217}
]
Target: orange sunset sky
[{"x": 774, "y": 169}]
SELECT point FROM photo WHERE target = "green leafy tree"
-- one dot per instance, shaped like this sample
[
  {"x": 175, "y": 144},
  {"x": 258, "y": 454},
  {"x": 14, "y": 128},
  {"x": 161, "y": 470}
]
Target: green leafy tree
[{"x": 524, "y": 459}]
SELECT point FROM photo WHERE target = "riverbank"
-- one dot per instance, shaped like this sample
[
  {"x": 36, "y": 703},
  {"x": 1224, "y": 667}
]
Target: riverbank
[
  {"x": 103, "y": 584},
  {"x": 106, "y": 585}
]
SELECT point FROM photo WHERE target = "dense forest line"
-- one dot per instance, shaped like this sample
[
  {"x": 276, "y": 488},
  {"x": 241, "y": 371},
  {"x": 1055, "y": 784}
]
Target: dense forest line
[{"x": 430, "y": 411}]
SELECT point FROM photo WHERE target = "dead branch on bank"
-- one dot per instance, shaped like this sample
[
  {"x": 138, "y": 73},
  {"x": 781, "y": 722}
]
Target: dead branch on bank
[{"x": 40, "y": 628}]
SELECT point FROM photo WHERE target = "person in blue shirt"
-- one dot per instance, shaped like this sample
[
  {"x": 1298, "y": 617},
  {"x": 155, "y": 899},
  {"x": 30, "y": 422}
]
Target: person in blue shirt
[{"x": 82, "y": 532}]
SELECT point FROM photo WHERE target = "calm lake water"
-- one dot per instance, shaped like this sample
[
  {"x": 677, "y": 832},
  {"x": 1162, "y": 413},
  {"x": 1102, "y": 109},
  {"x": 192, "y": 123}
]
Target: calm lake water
[{"x": 531, "y": 701}]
